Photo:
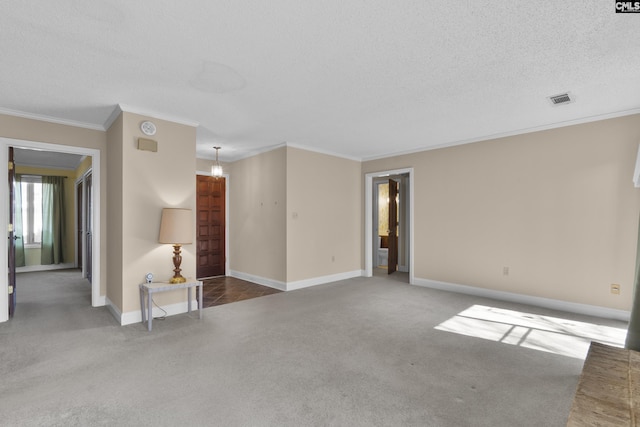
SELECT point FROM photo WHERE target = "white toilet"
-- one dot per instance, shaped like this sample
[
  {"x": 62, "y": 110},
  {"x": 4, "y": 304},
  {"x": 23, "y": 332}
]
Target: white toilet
[{"x": 383, "y": 254}]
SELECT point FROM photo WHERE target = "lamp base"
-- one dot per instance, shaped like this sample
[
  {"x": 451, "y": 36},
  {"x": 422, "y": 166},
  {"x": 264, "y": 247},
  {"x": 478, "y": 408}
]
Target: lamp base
[{"x": 177, "y": 260}]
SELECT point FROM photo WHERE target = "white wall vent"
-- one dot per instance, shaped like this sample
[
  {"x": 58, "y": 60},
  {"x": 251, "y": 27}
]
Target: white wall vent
[{"x": 561, "y": 99}]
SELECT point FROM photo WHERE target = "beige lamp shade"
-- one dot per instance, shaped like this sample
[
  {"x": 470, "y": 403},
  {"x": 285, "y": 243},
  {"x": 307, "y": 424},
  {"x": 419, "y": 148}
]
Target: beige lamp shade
[{"x": 176, "y": 226}]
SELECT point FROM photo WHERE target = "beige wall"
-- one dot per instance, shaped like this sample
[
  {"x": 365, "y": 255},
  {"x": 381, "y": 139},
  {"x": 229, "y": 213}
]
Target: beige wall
[
  {"x": 152, "y": 181},
  {"x": 257, "y": 223},
  {"x": 115, "y": 240},
  {"x": 294, "y": 215},
  {"x": 70, "y": 211},
  {"x": 324, "y": 215},
  {"x": 139, "y": 186},
  {"x": 52, "y": 133},
  {"x": 83, "y": 167},
  {"x": 557, "y": 207}
]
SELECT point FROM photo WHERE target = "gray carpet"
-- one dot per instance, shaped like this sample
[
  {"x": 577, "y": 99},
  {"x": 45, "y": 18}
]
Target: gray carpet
[{"x": 359, "y": 352}]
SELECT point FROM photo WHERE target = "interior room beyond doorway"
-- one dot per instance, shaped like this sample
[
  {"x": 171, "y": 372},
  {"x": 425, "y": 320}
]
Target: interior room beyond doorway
[
  {"x": 48, "y": 154},
  {"x": 389, "y": 223}
]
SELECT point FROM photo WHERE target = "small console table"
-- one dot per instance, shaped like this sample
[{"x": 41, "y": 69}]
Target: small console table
[{"x": 152, "y": 288}]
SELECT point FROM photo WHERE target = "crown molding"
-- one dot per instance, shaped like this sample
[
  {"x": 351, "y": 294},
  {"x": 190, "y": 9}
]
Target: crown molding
[
  {"x": 117, "y": 110},
  {"x": 152, "y": 114},
  {"x": 49, "y": 119},
  {"x": 510, "y": 133},
  {"x": 321, "y": 151},
  {"x": 112, "y": 117},
  {"x": 257, "y": 151},
  {"x": 292, "y": 145}
]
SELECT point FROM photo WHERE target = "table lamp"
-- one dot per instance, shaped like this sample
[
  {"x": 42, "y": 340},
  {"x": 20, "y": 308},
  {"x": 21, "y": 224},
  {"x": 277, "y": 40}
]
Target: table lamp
[{"x": 176, "y": 228}]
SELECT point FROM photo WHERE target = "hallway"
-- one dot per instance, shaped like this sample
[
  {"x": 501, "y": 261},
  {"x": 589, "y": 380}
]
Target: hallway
[
  {"x": 225, "y": 290},
  {"x": 55, "y": 301}
]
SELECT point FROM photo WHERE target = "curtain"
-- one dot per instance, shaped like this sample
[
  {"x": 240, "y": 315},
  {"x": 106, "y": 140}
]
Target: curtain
[
  {"x": 633, "y": 332},
  {"x": 52, "y": 220},
  {"x": 17, "y": 221}
]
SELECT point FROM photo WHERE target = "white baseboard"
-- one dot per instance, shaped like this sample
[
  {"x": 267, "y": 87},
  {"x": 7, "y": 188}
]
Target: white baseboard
[
  {"x": 298, "y": 284},
  {"x": 571, "y": 307},
  {"x": 102, "y": 301},
  {"x": 43, "y": 267},
  {"x": 115, "y": 311},
  {"x": 276, "y": 284},
  {"x": 135, "y": 316}
]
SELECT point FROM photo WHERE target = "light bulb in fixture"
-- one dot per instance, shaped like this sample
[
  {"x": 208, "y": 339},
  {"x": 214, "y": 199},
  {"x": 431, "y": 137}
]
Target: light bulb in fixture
[{"x": 216, "y": 169}]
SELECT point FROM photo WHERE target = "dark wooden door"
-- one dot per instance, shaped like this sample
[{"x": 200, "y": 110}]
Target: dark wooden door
[
  {"x": 393, "y": 227},
  {"x": 12, "y": 237},
  {"x": 210, "y": 223}
]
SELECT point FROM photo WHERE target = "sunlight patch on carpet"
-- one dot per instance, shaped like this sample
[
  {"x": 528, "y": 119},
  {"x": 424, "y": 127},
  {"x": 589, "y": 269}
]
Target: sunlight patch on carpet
[{"x": 545, "y": 333}]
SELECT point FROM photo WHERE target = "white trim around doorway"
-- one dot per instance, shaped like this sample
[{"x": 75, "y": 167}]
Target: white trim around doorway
[
  {"x": 368, "y": 219},
  {"x": 97, "y": 300}
]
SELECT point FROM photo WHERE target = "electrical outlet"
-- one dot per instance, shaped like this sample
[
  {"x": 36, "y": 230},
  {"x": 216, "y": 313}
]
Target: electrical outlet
[
  {"x": 615, "y": 289},
  {"x": 505, "y": 271}
]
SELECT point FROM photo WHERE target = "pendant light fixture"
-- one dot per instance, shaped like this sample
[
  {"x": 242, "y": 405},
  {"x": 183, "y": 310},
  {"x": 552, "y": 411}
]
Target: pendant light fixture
[{"x": 216, "y": 169}]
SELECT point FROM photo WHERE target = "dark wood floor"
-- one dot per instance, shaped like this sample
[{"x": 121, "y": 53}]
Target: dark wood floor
[{"x": 224, "y": 290}]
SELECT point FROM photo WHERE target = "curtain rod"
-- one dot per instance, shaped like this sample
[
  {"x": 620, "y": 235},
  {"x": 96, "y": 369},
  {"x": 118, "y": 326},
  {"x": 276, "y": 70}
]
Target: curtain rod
[{"x": 33, "y": 175}]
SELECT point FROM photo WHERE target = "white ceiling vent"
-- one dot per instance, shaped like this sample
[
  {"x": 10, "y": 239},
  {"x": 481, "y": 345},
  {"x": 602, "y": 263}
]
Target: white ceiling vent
[{"x": 563, "y": 98}]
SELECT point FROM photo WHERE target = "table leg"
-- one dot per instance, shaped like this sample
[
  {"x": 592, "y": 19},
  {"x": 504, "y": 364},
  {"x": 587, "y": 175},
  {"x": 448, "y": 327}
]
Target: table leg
[
  {"x": 149, "y": 310},
  {"x": 189, "y": 299},
  {"x": 142, "y": 304},
  {"x": 200, "y": 301}
]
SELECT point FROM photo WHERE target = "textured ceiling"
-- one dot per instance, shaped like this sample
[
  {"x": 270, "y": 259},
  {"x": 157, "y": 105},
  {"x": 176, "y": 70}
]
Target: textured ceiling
[
  {"x": 361, "y": 79},
  {"x": 46, "y": 159}
]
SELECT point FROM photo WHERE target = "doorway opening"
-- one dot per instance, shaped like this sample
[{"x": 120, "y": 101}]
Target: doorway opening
[
  {"x": 389, "y": 223},
  {"x": 91, "y": 192}
]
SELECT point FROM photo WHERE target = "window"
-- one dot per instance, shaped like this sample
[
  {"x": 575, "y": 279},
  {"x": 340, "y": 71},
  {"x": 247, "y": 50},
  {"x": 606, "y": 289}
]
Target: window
[{"x": 31, "y": 189}]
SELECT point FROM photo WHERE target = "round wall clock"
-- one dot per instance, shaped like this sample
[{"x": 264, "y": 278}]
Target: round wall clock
[{"x": 148, "y": 128}]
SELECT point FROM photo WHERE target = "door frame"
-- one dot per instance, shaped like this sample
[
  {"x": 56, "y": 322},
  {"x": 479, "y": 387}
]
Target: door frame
[
  {"x": 79, "y": 220},
  {"x": 11, "y": 255},
  {"x": 96, "y": 299},
  {"x": 82, "y": 254},
  {"x": 226, "y": 219},
  {"x": 369, "y": 252}
]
